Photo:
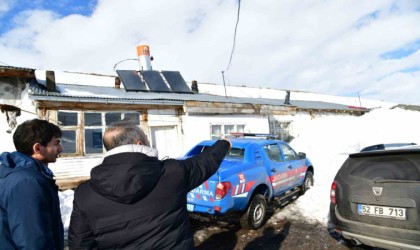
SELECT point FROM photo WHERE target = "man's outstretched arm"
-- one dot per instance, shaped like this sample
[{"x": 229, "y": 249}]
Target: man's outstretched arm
[{"x": 200, "y": 167}]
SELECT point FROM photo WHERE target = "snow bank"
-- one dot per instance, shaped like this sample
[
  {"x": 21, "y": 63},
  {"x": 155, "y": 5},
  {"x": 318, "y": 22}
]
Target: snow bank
[
  {"x": 66, "y": 206},
  {"x": 329, "y": 140}
]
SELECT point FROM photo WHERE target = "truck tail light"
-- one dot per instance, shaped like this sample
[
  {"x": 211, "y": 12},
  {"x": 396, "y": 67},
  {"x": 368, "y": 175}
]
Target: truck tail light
[
  {"x": 333, "y": 192},
  {"x": 222, "y": 189}
]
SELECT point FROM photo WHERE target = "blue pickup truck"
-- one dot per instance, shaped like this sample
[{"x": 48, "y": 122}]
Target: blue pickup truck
[{"x": 254, "y": 174}]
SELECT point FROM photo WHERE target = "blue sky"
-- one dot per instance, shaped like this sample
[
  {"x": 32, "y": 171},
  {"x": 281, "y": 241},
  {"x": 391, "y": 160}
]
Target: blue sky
[
  {"x": 403, "y": 51},
  {"x": 10, "y": 9},
  {"x": 348, "y": 47}
]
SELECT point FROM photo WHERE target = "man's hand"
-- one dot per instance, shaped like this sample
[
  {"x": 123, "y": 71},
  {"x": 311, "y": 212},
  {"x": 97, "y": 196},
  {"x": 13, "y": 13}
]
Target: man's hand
[{"x": 230, "y": 143}]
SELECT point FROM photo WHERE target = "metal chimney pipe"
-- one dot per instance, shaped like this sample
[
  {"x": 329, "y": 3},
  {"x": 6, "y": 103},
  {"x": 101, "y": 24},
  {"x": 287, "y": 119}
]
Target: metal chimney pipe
[
  {"x": 287, "y": 99},
  {"x": 50, "y": 81},
  {"x": 117, "y": 82},
  {"x": 143, "y": 54},
  {"x": 194, "y": 87}
]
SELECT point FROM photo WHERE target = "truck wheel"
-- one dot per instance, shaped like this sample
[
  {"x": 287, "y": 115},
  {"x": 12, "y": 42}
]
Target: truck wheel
[
  {"x": 255, "y": 214},
  {"x": 307, "y": 183}
]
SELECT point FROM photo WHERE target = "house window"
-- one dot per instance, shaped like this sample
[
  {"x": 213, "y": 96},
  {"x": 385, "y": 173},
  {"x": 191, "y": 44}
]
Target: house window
[
  {"x": 134, "y": 117},
  {"x": 218, "y": 131},
  {"x": 68, "y": 118},
  {"x": 117, "y": 116},
  {"x": 93, "y": 119},
  {"x": 68, "y": 141},
  {"x": 69, "y": 124},
  {"x": 240, "y": 128},
  {"x": 282, "y": 129},
  {"x": 229, "y": 129},
  {"x": 112, "y": 117},
  {"x": 93, "y": 130},
  {"x": 82, "y": 131}
]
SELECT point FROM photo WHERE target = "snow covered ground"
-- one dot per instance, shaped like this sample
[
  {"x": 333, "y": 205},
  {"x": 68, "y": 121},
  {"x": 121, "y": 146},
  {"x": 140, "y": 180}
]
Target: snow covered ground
[{"x": 327, "y": 141}]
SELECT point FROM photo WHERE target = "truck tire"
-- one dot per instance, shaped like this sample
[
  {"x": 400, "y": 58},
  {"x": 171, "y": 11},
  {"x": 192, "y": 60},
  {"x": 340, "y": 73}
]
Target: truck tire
[
  {"x": 307, "y": 183},
  {"x": 255, "y": 214}
]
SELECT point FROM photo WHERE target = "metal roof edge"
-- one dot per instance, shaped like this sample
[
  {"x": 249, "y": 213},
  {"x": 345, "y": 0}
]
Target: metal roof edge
[
  {"x": 105, "y": 100},
  {"x": 111, "y": 95}
]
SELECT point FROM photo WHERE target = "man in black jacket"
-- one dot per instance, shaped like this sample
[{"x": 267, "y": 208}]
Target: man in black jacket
[{"x": 135, "y": 201}]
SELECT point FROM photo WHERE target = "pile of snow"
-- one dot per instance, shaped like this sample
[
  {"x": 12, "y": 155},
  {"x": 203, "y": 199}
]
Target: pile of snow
[
  {"x": 66, "y": 206},
  {"x": 327, "y": 141}
]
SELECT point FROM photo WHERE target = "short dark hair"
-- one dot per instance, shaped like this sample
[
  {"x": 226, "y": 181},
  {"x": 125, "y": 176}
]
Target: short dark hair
[
  {"x": 34, "y": 131},
  {"x": 123, "y": 133}
]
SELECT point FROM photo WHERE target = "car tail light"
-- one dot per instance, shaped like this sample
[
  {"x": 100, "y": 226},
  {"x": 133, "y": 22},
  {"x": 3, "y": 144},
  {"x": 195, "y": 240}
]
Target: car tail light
[
  {"x": 222, "y": 189},
  {"x": 333, "y": 192}
]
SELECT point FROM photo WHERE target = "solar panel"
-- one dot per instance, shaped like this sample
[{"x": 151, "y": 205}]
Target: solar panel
[
  {"x": 131, "y": 80},
  {"x": 155, "y": 81},
  {"x": 176, "y": 82}
]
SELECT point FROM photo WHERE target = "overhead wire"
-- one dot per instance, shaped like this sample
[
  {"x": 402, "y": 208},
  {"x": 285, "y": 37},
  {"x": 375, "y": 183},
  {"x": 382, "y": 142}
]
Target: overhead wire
[
  {"x": 234, "y": 36},
  {"x": 233, "y": 46}
]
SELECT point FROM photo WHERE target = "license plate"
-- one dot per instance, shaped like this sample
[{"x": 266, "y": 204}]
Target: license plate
[
  {"x": 190, "y": 207},
  {"x": 381, "y": 211}
]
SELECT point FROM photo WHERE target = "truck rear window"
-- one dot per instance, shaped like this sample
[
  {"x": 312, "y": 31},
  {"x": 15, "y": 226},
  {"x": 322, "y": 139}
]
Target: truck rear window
[
  {"x": 236, "y": 152},
  {"x": 233, "y": 152}
]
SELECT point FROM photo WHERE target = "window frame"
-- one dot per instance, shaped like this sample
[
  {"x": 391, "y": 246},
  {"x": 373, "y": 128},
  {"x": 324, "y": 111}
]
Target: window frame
[
  {"x": 281, "y": 128},
  {"x": 223, "y": 130},
  {"x": 81, "y": 128}
]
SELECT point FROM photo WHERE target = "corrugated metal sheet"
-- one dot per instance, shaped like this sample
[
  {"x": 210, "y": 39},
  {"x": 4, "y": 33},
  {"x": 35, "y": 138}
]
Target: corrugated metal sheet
[{"x": 79, "y": 93}]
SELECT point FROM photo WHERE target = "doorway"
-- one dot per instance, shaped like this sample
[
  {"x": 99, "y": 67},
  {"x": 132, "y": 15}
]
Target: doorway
[{"x": 165, "y": 140}]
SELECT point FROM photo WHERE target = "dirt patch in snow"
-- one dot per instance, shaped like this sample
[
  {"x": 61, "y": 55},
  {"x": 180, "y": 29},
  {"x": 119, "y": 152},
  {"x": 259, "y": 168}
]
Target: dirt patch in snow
[{"x": 283, "y": 234}]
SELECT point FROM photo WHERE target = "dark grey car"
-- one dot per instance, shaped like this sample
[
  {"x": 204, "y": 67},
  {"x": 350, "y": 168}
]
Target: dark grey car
[{"x": 375, "y": 199}]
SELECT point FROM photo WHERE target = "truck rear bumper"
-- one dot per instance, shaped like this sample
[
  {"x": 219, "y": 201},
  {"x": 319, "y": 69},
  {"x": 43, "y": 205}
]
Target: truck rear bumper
[
  {"x": 194, "y": 208},
  {"x": 216, "y": 209}
]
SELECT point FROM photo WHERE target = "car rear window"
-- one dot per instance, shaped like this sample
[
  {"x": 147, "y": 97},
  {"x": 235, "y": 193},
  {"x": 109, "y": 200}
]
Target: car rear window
[{"x": 400, "y": 168}]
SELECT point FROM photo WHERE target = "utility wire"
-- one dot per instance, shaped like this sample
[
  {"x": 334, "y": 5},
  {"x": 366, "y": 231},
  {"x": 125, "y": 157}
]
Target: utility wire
[
  {"x": 233, "y": 47},
  {"x": 234, "y": 36}
]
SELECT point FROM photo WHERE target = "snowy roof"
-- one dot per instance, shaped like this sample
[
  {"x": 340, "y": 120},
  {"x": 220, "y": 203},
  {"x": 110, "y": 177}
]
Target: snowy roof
[
  {"x": 96, "y": 94},
  {"x": 11, "y": 71},
  {"x": 15, "y": 68}
]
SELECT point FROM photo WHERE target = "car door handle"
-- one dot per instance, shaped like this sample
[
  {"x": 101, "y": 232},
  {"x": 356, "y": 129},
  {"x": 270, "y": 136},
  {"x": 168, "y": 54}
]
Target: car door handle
[
  {"x": 273, "y": 170},
  {"x": 290, "y": 167}
]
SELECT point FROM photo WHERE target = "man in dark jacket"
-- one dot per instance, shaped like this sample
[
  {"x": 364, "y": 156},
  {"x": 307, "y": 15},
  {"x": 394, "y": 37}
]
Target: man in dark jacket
[
  {"x": 30, "y": 215},
  {"x": 135, "y": 201}
]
